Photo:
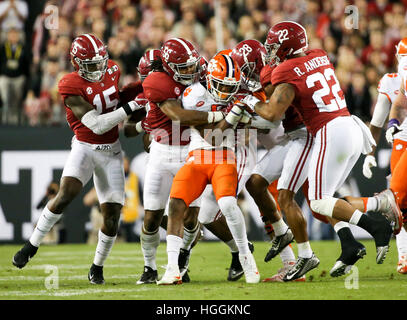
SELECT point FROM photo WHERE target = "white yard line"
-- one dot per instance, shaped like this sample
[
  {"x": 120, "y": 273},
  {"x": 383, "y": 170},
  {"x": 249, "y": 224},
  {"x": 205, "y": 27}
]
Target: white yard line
[
  {"x": 73, "y": 277},
  {"x": 69, "y": 292}
]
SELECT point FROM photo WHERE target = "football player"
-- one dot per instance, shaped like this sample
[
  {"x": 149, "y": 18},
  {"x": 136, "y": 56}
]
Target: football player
[
  {"x": 91, "y": 98},
  {"x": 308, "y": 79},
  {"x": 211, "y": 160},
  {"x": 180, "y": 65},
  {"x": 392, "y": 91}
]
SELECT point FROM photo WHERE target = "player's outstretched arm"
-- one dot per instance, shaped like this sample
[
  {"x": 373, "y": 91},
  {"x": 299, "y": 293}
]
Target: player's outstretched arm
[
  {"x": 98, "y": 123},
  {"x": 282, "y": 97},
  {"x": 174, "y": 111}
]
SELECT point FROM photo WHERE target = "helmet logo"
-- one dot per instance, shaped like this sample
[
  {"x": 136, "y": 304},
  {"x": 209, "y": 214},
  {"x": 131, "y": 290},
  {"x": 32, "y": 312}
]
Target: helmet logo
[{"x": 282, "y": 35}]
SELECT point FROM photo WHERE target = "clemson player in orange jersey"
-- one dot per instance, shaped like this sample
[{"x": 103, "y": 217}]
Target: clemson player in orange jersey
[
  {"x": 392, "y": 99},
  {"x": 211, "y": 160}
]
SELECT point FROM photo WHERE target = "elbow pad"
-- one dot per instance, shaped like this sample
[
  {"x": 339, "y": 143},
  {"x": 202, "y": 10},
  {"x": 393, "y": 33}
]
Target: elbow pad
[{"x": 102, "y": 123}]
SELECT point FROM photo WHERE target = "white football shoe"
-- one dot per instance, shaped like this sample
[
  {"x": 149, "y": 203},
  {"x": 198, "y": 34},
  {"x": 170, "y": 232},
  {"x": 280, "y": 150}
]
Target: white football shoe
[
  {"x": 390, "y": 209},
  {"x": 249, "y": 266},
  {"x": 171, "y": 275}
]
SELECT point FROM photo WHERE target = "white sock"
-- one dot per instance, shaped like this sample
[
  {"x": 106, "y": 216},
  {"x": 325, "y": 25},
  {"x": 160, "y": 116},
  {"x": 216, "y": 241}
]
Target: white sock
[
  {"x": 174, "y": 244},
  {"x": 232, "y": 245},
  {"x": 279, "y": 227},
  {"x": 287, "y": 254},
  {"x": 235, "y": 220},
  {"x": 189, "y": 237},
  {"x": 355, "y": 217},
  {"x": 105, "y": 244},
  {"x": 304, "y": 250},
  {"x": 149, "y": 245},
  {"x": 372, "y": 204},
  {"x": 46, "y": 221},
  {"x": 339, "y": 225},
  {"x": 401, "y": 241}
]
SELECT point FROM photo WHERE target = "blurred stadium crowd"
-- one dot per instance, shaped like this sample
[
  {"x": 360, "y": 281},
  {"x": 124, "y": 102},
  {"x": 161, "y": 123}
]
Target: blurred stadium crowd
[{"x": 33, "y": 57}]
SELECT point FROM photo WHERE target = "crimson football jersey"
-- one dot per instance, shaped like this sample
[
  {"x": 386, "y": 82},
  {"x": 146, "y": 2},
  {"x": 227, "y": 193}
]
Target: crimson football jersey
[
  {"x": 318, "y": 95},
  {"x": 292, "y": 120},
  {"x": 103, "y": 96},
  {"x": 159, "y": 87}
]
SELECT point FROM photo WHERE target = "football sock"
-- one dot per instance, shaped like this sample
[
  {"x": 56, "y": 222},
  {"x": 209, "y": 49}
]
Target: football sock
[
  {"x": 149, "y": 244},
  {"x": 103, "y": 248},
  {"x": 235, "y": 220},
  {"x": 189, "y": 237},
  {"x": 304, "y": 250},
  {"x": 401, "y": 241},
  {"x": 371, "y": 204},
  {"x": 344, "y": 233},
  {"x": 46, "y": 221},
  {"x": 174, "y": 244},
  {"x": 371, "y": 225},
  {"x": 232, "y": 245},
  {"x": 287, "y": 254},
  {"x": 279, "y": 227}
]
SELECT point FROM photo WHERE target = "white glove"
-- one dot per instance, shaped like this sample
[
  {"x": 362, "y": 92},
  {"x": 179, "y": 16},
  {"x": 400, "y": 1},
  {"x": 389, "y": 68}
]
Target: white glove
[
  {"x": 137, "y": 104},
  {"x": 392, "y": 129},
  {"x": 369, "y": 162},
  {"x": 250, "y": 101}
]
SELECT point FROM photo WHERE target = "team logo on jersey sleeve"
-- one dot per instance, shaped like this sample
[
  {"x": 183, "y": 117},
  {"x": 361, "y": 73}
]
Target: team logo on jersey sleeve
[
  {"x": 177, "y": 91},
  {"x": 89, "y": 90},
  {"x": 200, "y": 103}
]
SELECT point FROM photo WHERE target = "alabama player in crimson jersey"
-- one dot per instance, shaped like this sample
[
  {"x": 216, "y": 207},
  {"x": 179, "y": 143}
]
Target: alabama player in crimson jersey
[
  {"x": 392, "y": 94},
  {"x": 179, "y": 66},
  {"x": 90, "y": 95},
  {"x": 307, "y": 80}
]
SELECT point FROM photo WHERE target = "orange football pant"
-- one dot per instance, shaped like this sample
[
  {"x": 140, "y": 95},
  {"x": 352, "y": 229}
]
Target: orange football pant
[
  {"x": 217, "y": 167},
  {"x": 398, "y": 167}
]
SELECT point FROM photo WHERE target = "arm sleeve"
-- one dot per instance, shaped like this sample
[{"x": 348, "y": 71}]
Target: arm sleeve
[{"x": 381, "y": 111}]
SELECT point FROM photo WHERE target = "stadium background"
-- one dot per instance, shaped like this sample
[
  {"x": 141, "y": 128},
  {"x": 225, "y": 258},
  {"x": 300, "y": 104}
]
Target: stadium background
[{"x": 34, "y": 136}]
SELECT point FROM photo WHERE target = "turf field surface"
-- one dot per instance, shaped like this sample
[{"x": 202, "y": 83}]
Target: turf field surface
[{"x": 60, "y": 272}]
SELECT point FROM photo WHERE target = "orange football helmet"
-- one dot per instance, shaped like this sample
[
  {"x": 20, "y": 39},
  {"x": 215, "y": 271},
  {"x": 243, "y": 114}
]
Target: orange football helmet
[
  {"x": 401, "y": 49},
  {"x": 223, "y": 78},
  {"x": 225, "y": 51}
]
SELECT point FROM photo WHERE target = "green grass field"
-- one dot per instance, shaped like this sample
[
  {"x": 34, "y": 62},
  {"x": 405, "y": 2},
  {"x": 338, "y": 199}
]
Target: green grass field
[{"x": 208, "y": 272}]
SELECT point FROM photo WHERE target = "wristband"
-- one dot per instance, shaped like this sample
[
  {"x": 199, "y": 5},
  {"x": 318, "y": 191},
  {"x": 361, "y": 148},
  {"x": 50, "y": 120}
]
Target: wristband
[
  {"x": 127, "y": 109},
  {"x": 392, "y": 123},
  {"x": 234, "y": 115},
  {"x": 215, "y": 116}
]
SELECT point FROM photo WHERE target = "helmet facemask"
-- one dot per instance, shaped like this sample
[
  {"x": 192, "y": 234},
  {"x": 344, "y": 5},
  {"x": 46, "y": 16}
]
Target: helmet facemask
[
  {"x": 93, "y": 69},
  {"x": 250, "y": 78},
  {"x": 186, "y": 73},
  {"x": 222, "y": 90},
  {"x": 272, "y": 49}
]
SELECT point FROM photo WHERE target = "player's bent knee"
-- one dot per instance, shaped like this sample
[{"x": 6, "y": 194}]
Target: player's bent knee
[
  {"x": 227, "y": 204},
  {"x": 285, "y": 197},
  {"x": 177, "y": 207},
  {"x": 324, "y": 206},
  {"x": 256, "y": 183}
]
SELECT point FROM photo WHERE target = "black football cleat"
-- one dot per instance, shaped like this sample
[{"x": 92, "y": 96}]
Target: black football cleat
[
  {"x": 183, "y": 263},
  {"x": 149, "y": 276},
  {"x": 24, "y": 255},
  {"x": 235, "y": 269},
  {"x": 95, "y": 275},
  {"x": 347, "y": 259},
  {"x": 278, "y": 244}
]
